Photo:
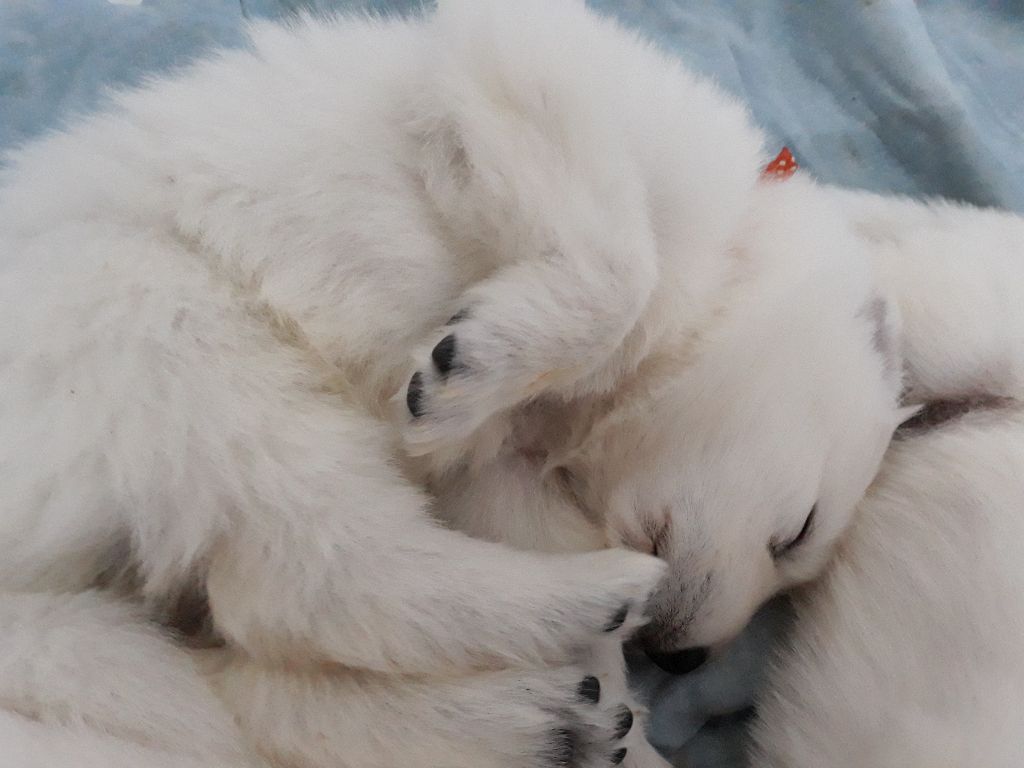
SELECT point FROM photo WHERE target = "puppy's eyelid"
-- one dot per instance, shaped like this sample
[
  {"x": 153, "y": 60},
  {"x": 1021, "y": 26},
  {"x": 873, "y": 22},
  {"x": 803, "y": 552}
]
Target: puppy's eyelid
[{"x": 780, "y": 550}]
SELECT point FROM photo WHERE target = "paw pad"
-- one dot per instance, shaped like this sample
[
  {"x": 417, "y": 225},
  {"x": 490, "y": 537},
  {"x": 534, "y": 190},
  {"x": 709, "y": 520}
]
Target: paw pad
[
  {"x": 414, "y": 395},
  {"x": 563, "y": 748},
  {"x": 443, "y": 354},
  {"x": 590, "y": 689},
  {"x": 624, "y": 722}
]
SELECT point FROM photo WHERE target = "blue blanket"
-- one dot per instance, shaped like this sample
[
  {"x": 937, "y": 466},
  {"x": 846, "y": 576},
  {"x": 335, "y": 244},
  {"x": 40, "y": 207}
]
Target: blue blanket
[{"x": 889, "y": 95}]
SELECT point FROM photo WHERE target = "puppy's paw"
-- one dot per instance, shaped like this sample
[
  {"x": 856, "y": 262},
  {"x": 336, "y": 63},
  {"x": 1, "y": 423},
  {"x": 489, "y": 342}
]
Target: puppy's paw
[
  {"x": 551, "y": 609},
  {"x": 461, "y": 380},
  {"x": 477, "y": 366},
  {"x": 557, "y": 718},
  {"x": 615, "y": 584},
  {"x": 566, "y": 603}
]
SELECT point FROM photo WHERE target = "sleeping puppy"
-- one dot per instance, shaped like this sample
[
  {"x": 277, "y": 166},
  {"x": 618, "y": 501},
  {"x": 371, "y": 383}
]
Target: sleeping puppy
[
  {"x": 852, "y": 311},
  {"x": 736, "y": 454},
  {"x": 211, "y": 295},
  {"x": 908, "y": 651},
  {"x": 215, "y": 297}
]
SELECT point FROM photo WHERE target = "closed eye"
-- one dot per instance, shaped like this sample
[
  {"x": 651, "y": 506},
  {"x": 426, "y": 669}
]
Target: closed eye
[{"x": 784, "y": 548}]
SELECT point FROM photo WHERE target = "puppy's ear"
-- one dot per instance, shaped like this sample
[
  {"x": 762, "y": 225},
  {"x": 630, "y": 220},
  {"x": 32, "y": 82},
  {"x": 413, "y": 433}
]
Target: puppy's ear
[{"x": 883, "y": 315}]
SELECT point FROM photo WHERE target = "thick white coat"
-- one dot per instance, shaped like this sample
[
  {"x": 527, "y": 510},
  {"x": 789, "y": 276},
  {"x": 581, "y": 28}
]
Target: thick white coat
[{"x": 215, "y": 295}]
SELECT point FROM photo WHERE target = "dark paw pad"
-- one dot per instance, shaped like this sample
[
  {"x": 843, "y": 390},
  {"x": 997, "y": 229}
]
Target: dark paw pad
[
  {"x": 590, "y": 689},
  {"x": 444, "y": 354},
  {"x": 624, "y": 722},
  {"x": 414, "y": 396},
  {"x": 563, "y": 748}
]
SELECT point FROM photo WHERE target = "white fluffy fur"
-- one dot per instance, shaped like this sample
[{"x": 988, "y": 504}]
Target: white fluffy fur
[
  {"x": 907, "y": 653},
  {"x": 213, "y": 291},
  {"x": 215, "y": 295},
  {"x": 84, "y": 682}
]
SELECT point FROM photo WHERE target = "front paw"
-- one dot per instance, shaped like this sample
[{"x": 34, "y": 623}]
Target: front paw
[
  {"x": 445, "y": 362},
  {"x": 475, "y": 370},
  {"x": 558, "y": 718}
]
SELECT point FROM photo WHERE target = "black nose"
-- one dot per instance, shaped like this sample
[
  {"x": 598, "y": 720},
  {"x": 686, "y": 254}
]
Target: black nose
[{"x": 679, "y": 662}]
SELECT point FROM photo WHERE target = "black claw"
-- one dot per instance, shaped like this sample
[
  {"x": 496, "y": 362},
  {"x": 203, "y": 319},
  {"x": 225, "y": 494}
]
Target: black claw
[
  {"x": 444, "y": 354},
  {"x": 624, "y": 722},
  {"x": 590, "y": 689},
  {"x": 618, "y": 756},
  {"x": 563, "y": 748},
  {"x": 617, "y": 620},
  {"x": 414, "y": 396},
  {"x": 462, "y": 314}
]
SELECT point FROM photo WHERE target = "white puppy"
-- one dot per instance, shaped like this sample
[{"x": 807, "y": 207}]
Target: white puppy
[
  {"x": 737, "y": 456},
  {"x": 212, "y": 294},
  {"x": 908, "y": 652}
]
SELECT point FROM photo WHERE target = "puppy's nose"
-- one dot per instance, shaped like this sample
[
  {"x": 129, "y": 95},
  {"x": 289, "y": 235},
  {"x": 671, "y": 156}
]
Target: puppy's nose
[{"x": 679, "y": 662}]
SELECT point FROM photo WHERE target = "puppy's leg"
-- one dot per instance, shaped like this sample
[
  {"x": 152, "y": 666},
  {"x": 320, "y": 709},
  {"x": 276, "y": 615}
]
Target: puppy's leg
[
  {"x": 560, "y": 216},
  {"x": 334, "y": 557},
  {"x": 197, "y": 436},
  {"x": 328, "y": 553},
  {"x": 542, "y": 718},
  {"x": 85, "y": 681},
  {"x": 32, "y": 744},
  {"x": 532, "y": 516},
  {"x": 540, "y": 325}
]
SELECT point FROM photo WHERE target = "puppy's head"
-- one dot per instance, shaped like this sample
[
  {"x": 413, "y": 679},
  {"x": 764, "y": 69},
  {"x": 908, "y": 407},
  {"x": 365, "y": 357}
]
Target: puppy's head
[{"x": 742, "y": 466}]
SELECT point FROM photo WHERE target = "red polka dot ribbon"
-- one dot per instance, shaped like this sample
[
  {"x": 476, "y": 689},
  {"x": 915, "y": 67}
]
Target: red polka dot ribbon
[{"x": 782, "y": 167}]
